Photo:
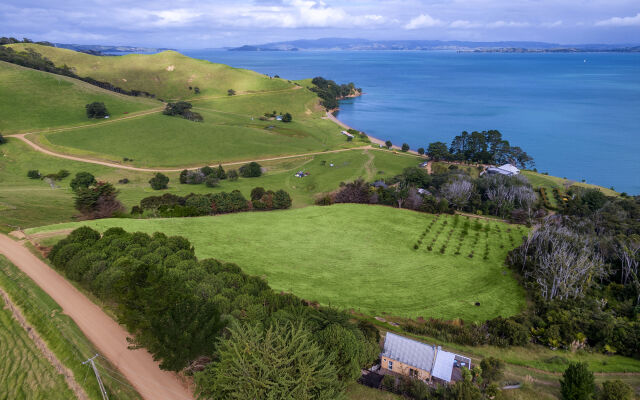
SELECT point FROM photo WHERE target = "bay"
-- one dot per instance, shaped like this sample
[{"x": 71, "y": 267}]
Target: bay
[{"x": 577, "y": 114}]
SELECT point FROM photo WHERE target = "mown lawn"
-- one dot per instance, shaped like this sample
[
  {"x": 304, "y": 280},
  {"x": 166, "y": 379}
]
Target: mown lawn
[
  {"x": 33, "y": 100},
  {"x": 24, "y": 373},
  {"x": 361, "y": 257}
]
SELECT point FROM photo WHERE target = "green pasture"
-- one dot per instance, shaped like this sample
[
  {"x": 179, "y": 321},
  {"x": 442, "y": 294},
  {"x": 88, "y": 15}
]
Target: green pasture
[
  {"x": 26, "y": 202},
  {"x": 24, "y": 372},
  {"x": 360, "y": 257},
  {"x": 168, "y": 75},
  {"x": 33, "y": 100}
]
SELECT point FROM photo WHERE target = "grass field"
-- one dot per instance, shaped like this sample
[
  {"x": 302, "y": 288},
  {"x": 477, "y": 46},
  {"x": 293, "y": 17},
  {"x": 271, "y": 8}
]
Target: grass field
[
  {"x": 27, "y": 374},
  {"x": 168, "y": 75},
  {"x": 550, "y": 182},
  {"x": 26, "y": 202},
  {"x": 34, "y": 100},
  {"x": 361, "y": 257}
]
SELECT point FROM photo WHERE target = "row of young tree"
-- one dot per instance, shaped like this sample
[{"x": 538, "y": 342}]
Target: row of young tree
[
  {"x": 193, "y": 205},
  {"x": 34, "y": 60},
  {"x": 503, "y": 196},
  {"x": 210, "y": 313},
  {"x": 486, "y": 147},
  {"x": 330, "y": 92}
]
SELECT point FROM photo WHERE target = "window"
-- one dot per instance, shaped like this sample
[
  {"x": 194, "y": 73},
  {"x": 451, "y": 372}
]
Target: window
[
  {"x": 390, "y": 365},
  {"x": 413, "y": 372}
]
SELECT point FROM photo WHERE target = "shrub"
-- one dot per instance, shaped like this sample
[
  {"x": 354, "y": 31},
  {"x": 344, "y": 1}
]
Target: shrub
[
  {"x": 281, "y": 200},
  {"x": 96, "y": 110},
  {"x": 123, "y": 181},
  {"x": 251, "y": 170},
  {"x": 82, "y": 180},
  {"x": 207, "y": 170},
  {"x": 231, "y": 92},
  {"x": 388, "y": 144},
  {"x": 577, "y": 382},
  {"x": 232, "y": 175},
  {"x": 257, "y": 193},
  {"x": 34, "y": 174},
  {"x": 2, "y": 139},
  {"x": 159, "y": 181},
  {"x": 220, "y": 172},
  {"x": 405, "y": 147},
  {"x": 287, "y": 117},
  {"x": 211, "y": 181},
  {"x": 421, "y": 151},
  {"x": 615, "y": 390},
  {"x": 492, "y": 369}
]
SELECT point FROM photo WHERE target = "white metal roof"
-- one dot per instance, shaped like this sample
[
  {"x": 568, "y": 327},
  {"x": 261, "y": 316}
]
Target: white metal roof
[
  {"x": 510, "y": 168},
  {"x": 408, "y": 351},
  {"x": 443, "y": 366}
]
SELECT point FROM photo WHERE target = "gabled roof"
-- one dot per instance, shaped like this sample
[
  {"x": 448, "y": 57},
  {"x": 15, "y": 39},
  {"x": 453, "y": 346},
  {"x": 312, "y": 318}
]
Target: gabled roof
[
  {"x": 443, "y": 366},
  {"x": 408, "y": 351}
]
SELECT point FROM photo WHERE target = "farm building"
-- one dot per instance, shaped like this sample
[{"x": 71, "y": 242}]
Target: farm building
[
  {"x": 419, "y": 360},
  {"x": 506, "y": 169}
]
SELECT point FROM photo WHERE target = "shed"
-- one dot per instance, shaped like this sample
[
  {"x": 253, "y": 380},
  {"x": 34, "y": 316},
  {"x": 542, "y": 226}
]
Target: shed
[{"x": 443, "y": 366}]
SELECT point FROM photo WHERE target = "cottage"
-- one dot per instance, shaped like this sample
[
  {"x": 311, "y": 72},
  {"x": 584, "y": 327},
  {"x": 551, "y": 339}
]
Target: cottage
[
  {"x": 419, "y": 360},
  {"x": 507, "y": 169}
]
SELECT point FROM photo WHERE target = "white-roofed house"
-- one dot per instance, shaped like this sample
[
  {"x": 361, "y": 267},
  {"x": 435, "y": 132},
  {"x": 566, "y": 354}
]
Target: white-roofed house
[
  {"x": 506, "y": 169},
  {"x": 409, "y": 357}
]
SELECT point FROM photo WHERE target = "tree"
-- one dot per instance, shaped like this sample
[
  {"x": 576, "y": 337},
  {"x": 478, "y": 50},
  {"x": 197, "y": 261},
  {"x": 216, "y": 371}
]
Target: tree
[
  {"x": 207, "y": 170},
  {"x": 284, "y": 361},
  {"x": 34, "y": 174},
  {"x": 438, "y": 151},
  {"x": 615, "y": 390},
  {"x": 281, "y": 200},
  {"x": 82, "y": 180},
  {"x": 491, "y": 369},
  {"x": 2, "y": 139},
  {"x": 251, "y": 170},
  {"x": 220, "y": 173},
  {"x": 388, "y": 144},
  {"x": 98, "y": 200},
  {"x": 577, "y": 382},
  {"x": 287, "y": 117},
  {"x": 211, "y": 181},
  {"x": 421, "y": 150},
  {"x": 257, "y": 193},
  {"x": 232, "y": 175},
  {"x": 96, "y": 110},
  {"x": 183, "y": 176},
  {"x": 405, "y": 147},
  {"x": 159, "y": 181},
  {"x": 231, "y": 92}
]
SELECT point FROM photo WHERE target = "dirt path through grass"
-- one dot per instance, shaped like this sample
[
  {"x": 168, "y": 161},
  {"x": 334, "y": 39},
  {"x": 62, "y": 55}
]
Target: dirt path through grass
[{"x": 110, "y": 338}]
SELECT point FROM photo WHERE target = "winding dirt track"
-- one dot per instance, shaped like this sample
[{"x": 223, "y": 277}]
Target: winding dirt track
[{"x": 108, "y": 337}]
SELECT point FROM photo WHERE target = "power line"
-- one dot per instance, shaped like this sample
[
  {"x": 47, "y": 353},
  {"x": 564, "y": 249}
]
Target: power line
[{"x": 103, "y": 391}]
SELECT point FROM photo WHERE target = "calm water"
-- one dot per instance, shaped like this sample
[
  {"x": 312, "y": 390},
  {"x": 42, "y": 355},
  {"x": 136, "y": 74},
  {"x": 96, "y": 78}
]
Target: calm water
[{"x": 578, "y": 115}]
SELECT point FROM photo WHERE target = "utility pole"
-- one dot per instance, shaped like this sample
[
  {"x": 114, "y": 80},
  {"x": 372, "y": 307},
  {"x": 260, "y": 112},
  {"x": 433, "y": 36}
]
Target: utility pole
[{"x": 103, "y": 391}]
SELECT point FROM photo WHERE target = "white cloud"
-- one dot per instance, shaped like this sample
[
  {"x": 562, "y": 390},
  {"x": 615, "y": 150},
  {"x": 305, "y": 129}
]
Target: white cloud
[
  {"x": 552, "y": 24},
  {"x": 507, "y": 24},
  {"x": 464, "y": 24},
  {"x": 423, "y": 21},
  {"x": 178, "y": 17},
  {"x": 620, "y": 21}
]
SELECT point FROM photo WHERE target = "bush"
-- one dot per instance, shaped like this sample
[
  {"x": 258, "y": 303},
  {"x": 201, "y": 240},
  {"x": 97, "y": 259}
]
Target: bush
[
  {"x": 96, "y": 110},
  {"x": 492, "y": 370},
  {"x": 577, "y": 382},
  {"x": 281, "y": 200},
  {"x": 2, "y": 139},
  {"x": 257, "y": 193},
  {"x": 211, "y": 181},
  {"x": 207, "y": 170},
  {"x": 82, "y": 180},
  {"x": 287, "y": 117},
  {"x": 388, "y": 144},
  {"x": 123, "y": 181},
  {"x": 34, "y": 174},
  {"x": 231, "y": 92},
  {"x": 159, "y": 181},
  {"x": 615, "y": 390},
  {"x": 232, "y": 175},
  {"x": 421, "y": 150},
  {"x": 251, "y": 170}
]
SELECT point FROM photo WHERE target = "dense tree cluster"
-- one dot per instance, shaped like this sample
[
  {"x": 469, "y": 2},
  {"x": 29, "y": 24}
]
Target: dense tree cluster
[
  {"x": 192, "y": 205},
  {"x": 499, "y": 195},
  {"x": 183, "y": 109},
  {"x": 12, "y": 40},
  {"x": 95, "y": 199},
  {"x": 34, "y": 60},
  {"x": 209, "y": 310},
  {"x": 330, "y": 92},
  {"x": 251, "y": 170},
  {"x": 206, "y": 175},
  {"x": 487, "y": 147}
]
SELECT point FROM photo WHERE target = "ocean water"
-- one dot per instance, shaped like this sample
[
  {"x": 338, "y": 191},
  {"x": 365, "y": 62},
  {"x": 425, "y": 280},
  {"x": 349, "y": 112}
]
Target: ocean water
[{"x": 578, "y": 115}]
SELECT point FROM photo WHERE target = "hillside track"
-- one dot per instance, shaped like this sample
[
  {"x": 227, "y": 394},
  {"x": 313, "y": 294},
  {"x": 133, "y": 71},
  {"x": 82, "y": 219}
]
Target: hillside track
[{"x": 109, "y": 338}]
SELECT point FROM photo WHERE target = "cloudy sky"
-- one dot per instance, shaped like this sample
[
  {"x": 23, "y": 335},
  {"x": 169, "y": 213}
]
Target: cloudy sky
[{"x": 198, "y": 24}]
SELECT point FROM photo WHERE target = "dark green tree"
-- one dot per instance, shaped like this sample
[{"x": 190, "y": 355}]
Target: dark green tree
[
  {"x": 492, "y": 369},
  {"x": 98, "y": 200},
  {"x": 34, "y": 174},
  {"x": 438, "y": 151},
  {"x": 405, "y": 147},
  {"x": 82, "y": 180},
  {"x": 183, "y": 176},
  {"x": 284, "y": 362},
  {"x": 281, "y": 200},
  {"x": 257, "y": 193},
  {"x": 421, "y": 150},
  {"x": 231, "y": 92},
  {"x": 251, "y": 170},
  {"x": 207, "y": 170},
  {"x": 159, "y": 181},
  {"x": 220, "y": 173},
  {"x": 388, "y": 144},
  {"x": 577, "y": 382},
  {"x": 232, "y": 175},
  {"x": 2, "y": 139},
  {"x": 287, "y": 117},
  {"x": 211, "y": 181},
  {"x": 96, "y": 110}
]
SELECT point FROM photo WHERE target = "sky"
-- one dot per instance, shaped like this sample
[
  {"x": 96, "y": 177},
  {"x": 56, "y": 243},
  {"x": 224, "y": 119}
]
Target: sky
[{"x": 205, "y": 24}]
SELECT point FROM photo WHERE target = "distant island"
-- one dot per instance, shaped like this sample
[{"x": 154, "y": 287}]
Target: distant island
[{"x": 463, "y": 46}]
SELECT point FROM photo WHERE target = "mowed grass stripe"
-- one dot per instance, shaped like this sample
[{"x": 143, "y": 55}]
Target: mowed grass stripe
[{"x": 350, "y": 256}]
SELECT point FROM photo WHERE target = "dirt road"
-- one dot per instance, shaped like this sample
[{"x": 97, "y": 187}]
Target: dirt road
[{"x": 109, "y": 338}]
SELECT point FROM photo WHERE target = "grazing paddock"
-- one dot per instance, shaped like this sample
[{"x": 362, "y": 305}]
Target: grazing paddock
[{"x": 361, "y": 257}]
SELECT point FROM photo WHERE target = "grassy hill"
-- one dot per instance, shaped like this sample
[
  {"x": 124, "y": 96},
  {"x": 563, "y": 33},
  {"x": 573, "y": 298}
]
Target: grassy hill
[
  {"x": 361, "y": 257},
  {"x": 168, "y": 75},
  {"x": 34, "y": 100}
]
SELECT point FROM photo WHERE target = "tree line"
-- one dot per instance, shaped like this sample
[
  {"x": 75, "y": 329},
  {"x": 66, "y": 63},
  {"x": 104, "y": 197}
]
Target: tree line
[
  {"x": 34, "y": 60},
  {"x": 486, "y": 147},
  {"x": 209, "y": 310}
]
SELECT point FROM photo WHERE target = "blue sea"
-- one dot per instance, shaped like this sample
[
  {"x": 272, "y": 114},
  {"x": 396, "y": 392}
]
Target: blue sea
[{"x": 578, "y": 115}]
